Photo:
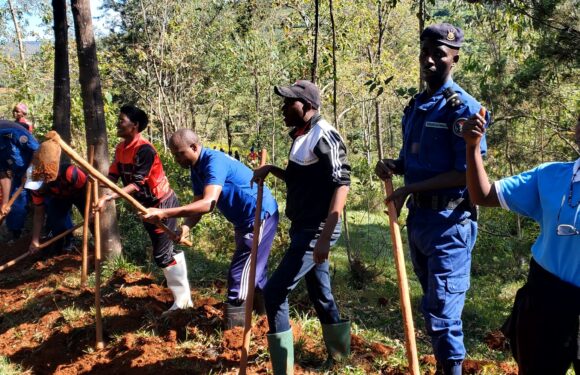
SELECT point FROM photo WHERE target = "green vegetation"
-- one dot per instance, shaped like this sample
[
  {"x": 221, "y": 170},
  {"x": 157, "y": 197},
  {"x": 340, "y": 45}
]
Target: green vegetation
[
  {"x": 211, "y": 66},
  {"x": 7, "y": 368}
]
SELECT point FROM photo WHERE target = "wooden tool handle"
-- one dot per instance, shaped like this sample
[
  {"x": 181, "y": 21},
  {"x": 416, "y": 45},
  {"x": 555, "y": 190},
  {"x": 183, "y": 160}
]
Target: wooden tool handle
[
  {"x": 105, "y": 181},
  {"x": 410, "y": 343},
  {"x": 252, "y": 276},
  {"x": 42, "y": 246}
]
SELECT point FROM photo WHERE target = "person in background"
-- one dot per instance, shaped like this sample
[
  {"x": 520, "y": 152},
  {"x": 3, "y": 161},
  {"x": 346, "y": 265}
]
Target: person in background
[
  {"x": 317, "y": 178},
  {"x": 441, "y": 224},
  {"x": 543, "y": 326},
  {"x": 252, "y": 158},
  {"x": 20, "y": 111},
  {"x": 137, "y": 164},
  {"x": 219, "y": 180}
]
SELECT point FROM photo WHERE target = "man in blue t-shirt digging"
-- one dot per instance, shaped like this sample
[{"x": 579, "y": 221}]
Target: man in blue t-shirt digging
[{"x": 220, "y": 180}]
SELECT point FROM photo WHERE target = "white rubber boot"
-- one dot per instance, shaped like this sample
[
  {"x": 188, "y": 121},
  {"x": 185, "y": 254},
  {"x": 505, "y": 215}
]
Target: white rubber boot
[{"x": 177, "y": 282}]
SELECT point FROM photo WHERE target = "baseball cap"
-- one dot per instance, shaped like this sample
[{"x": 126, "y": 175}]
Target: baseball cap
[
  {"x": 30, "y": 184},
  {"x": 301, "y": 89}
]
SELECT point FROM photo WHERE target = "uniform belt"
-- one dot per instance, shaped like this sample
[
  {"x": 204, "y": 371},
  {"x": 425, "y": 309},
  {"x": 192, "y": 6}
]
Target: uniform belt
[{"x": 436, "y": 202}]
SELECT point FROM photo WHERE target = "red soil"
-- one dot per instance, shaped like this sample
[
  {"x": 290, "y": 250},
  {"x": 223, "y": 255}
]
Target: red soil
[{"x": 39, "y": 332}]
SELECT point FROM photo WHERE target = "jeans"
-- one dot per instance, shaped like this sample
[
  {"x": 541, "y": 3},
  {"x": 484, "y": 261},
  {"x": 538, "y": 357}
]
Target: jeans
[
  {"x": 441, "y": 256},
  {"x": 296, "y": 264},
  {"x": 59, "y": 215}
]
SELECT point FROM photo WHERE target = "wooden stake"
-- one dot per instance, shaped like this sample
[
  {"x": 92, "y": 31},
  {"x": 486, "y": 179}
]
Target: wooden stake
[
  {"x": 108, "y": 183},
  {"x": 98, "y": 319},
  {"x": 40, "y": 247},
  {"x": 85, "y": 254},
  {"x": 410, "y": 344},
  {"x": 252, "y": 276}
]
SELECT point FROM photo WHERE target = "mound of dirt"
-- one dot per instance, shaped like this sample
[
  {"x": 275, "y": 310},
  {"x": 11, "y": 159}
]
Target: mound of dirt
[{"x": 47, "y": 326}]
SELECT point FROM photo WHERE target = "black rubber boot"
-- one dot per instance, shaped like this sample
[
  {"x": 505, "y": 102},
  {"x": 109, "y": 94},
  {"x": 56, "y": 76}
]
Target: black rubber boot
[
  {"x": 234, "y": 316},
  {"x": 450, "y": 367}
]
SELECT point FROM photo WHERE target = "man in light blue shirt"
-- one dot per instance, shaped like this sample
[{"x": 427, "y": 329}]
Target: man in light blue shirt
[{"x": 543, "y": 327}]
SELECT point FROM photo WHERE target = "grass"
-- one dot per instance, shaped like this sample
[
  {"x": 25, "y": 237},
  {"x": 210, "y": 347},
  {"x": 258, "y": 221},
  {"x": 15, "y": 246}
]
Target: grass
[
  {"x": 7, "y": 368},
  {"x": 72, "y": 314}
]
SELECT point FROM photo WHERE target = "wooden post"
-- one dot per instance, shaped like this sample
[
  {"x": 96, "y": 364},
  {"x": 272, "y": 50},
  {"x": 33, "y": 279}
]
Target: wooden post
[
  {"x": 85, "y": 254},
  {"x": 410, "y": 344},
  {"x": 252, "y": 276},
  {"x": 108, "y": 183},
  {"x": 98, "y": 319}
]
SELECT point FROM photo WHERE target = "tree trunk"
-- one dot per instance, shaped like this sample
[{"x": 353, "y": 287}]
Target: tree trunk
[
  {"x": 61, "y": 101},
  {"x": 335, "y": 111},
  {"x": 421, "y": 16},
  {"x": 18, "y": 33},
  {"x": 334, "y": 74},
  {"x": 93, "y": 109},
  {"x": 314, "y": 69}
]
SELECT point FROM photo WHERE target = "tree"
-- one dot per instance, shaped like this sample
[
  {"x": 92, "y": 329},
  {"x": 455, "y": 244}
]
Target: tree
[
  {"x": 93, "y": 109},
  {"x": 61, "y": 101},
  {"x": 18, "y": 33}
]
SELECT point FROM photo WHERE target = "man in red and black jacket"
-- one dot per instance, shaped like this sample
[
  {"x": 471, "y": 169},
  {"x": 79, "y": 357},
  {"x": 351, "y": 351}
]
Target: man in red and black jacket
[
  {"x": 54, "y": 200},
  {"x": 138, "y": 166}
]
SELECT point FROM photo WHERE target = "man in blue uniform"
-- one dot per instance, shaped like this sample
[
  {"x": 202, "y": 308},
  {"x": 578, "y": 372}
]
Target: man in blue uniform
[
  {"x": 220, "y": 180},
  {"x": 17, "y": 146},
  {"x": 441, "y": 225}
]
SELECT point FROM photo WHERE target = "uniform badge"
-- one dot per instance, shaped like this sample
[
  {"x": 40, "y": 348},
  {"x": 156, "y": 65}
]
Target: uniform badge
[
  {"x": 23, "y": 139},
  {"x": 458, "y": 126},
  {"x": 451, "y": 34}
]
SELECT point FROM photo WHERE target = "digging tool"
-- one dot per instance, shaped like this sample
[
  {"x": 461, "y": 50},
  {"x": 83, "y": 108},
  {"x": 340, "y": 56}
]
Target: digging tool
[
  {"x": 41, "y": 246},
  {"x": 12, "y": 199},
  {"x": 410, "y": 344},
  {"x": 252, "y": 276},
  {"x": 108, "y": 183},
  {"x": 98, "y": 318},
  {"x": 85, "y": 253}
]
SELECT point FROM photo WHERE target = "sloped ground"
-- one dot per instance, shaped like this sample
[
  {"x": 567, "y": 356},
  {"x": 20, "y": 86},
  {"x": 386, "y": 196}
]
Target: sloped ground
[{"x": 47, "y": 327}]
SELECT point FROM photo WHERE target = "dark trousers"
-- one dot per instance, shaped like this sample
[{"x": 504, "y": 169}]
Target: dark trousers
[
  {"x": 17, "y": 216},
  {"x": 163, "y": 250},
  {"x": 58, "y": 215},
  {"x": 441, "y": 256},
  {"x": 239, "y": 272},
  {"x": 296, "y": 264},
  {"x": 543, "y": 326}
]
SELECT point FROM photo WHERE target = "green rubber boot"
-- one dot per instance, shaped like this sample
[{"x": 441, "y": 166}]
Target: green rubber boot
[
  {"x": 281, "y": 347},
  {"x": 337, "y": 340}
]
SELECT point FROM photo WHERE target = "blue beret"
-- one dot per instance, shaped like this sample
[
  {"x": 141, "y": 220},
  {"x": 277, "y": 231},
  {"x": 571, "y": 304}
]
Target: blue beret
[{"x": 444, "y": 33}]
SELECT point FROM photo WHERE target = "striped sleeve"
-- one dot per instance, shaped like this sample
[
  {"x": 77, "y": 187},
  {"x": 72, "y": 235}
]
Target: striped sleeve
[{"x": 332, "y": 150}]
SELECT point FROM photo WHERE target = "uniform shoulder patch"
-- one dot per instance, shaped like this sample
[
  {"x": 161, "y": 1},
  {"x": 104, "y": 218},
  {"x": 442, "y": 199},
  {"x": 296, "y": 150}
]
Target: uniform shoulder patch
[
  {"x": 23, "y": 139},
  {"x": 458, "y": 126}
]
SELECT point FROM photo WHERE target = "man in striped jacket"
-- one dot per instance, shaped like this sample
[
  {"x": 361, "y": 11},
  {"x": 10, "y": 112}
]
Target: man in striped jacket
[{"x": 317, "y": 179}]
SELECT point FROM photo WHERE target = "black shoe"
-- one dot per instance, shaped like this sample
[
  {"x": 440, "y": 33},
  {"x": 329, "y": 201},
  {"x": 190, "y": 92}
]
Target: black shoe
[{"x": 234, "y": 316}]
